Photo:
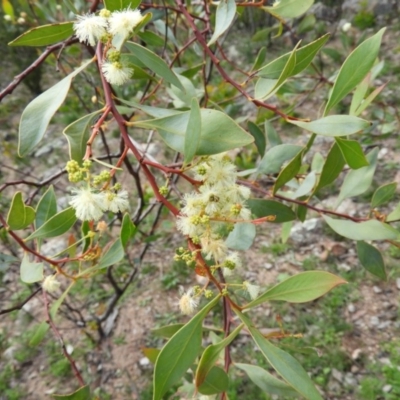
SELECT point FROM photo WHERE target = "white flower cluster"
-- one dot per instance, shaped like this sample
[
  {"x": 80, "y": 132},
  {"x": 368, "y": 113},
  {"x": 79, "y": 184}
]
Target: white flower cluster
[
  {"x": 90, "y": 206},
  {"x": 219, "y": 201},
  {"x": 91, "y": 28}
]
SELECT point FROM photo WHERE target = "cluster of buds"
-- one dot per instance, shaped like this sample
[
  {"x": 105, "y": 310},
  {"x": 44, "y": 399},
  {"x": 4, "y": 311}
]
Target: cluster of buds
[
  {"x": 92, "y": 28},
  {"x": 89, "y": 202}
]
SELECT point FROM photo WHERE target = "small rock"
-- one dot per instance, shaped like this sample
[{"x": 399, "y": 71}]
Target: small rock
[
  {"x": 398, "y": 283},
  {"x": 384, "y": 324},
  {"x": 354, "y": 369},
  {"x": 374, "y": 321},
  {"x": 350, "y": 379},
  {"x": 337, "y": 375},
  {"x": 355, "y": 355},
  {"x": 268, "y": 266},
  {"x": 144, "y": 361},
  {"x": 377, "y": 289},
  {"x": 351, "y": 308},
  {"x": 69, "y": 348},
  {"x": 387, "y": 388}
]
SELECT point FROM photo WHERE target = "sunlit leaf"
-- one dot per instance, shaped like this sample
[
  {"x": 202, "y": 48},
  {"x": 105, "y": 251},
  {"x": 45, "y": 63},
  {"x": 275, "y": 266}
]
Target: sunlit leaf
[
  {"x": 300, "y": 288},
  {"x": 55, "y": 226},
  {"x": 44, "y": 35},
  {"x": 267, "y": 382},
  {"x": 78, "y": 134},
  {"x": 368, "y": 230},
  {"x": 219, "y": 132},
  {"x": 304, "y": 56},
  {"x": 289, "y": 8},
  {"x": 193, "y": 132},
  {"x": 118, "y": 5},
  {"x": 155, "y": 63},
  {"x": 383, "y": 194},
  {"x": 242, "y": 236},
  {"x": 274, "y": 158},
  {"x": 46, "y": 208},
  {"x": 352, "y": 153},
  {"x": 128, "y": 230},
  {"x": 19, "y": 216},
  {"x": 179, "y": 353},
  {"x": 31, "y": 271},
  {"x": 225, "y": 15},
  {"x": 334, "y": 125},
  {"x": 210, "y": 356},
  {"x": 37, "y": 115},
  {"x": 358, "y": 181},
  {"x": 283, "y": 363},
  {"x": 354, "y": 69}
]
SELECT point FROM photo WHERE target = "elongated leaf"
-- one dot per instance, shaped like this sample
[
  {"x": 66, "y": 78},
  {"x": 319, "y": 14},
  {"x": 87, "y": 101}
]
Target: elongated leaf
[
  {"x": 39, "y": 334},
  {"x": 167, "y": 331},
  {"x": 113, "y": 255},
  {"x": 179, "y": 353},
  {"x": 359, "y": 94},
  {"x": 242, "y": 236},
  {"x": 358, "y": 181},
  {"x": 368, "y": 230},
  {"x": 38, "y": 113},
  {"x": 56, "y": 305},
  {"x": 210, "y": 356},
  {"x": 273, "y": 138},
  {"x": 300, "y": 288},
  {"x": 289, "y": 8},
  {"x": 383, "y": 194},
  {"x": 259, "y": 137},
  {"x": 118, "y": 5},
  {"x": 217, "y": 381},
  {"x": 193, "y": 132},
  {"x": 55, "y": 226},
  {"x": 274, "y": 158},
  {"x": 369, "y": 99},
  {"x": 263, "y": 91},
  {"x": 259, "y": 59},
  {"x": 19, "y": 216},
  {"x": 264, "y": 208},
  {"x": 306, "y": 186},
  {"x": 77, "y": 135},
  {"x": 283, "y": 363},
  {"x": 333, "y": 166},
  {"x": 155, "y": 112},
  {"x": 46, "y": 208},
  {"x": 394, "y": 215},
  {"x": 30, "y": 271},
  {"x": 267, "y": 382},
  {"x": 289, "y": 172},
  {"x": 219, "y": 132},
  {"x": 44, "y": 35},
  {"x": 82, "y": 393},
  {"x": 8, "y": 8},
  {"x": 334, "y": 125},
  {"x": 371, "y": 259},
  {"x": 128, "y": 230},
  {"x": 352, "y": 152},
  {"x": 354, "y": 69},
  {"x": 155, "y": 63},
  {"x": 225, "y": 15},
  {"x": 304, "y": 56}
]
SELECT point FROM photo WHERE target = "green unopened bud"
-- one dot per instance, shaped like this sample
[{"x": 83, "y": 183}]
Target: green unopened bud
[
  {"x": 114, "y": 55},
  {"x": 87, "y": 164},
  {"x": 163, "y": 190}
]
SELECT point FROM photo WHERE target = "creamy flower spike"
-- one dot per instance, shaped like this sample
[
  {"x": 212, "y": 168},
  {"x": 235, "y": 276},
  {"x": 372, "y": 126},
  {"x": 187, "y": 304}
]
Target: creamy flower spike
[
  {"x": 116, "y": 73},
  {"x": 90, "y": 28},
  {"x": 124, "y": 22},
  {"x": 51, "y": 284},
  {"x": 188, "y": 303},
  {"x": 88, "y": 206}
]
